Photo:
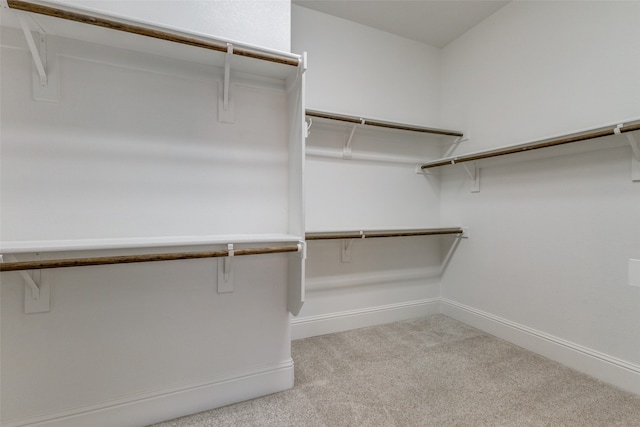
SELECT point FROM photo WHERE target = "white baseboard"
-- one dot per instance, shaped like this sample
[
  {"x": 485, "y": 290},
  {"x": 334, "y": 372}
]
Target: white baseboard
[
  {"x": 309, "y": 326},
  {"x": 143, "y": 410},
  {"x": 606, "y": 368}
]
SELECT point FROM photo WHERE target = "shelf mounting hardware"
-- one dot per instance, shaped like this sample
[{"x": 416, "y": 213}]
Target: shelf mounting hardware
[
  {"x": 308, "y": 129},
  {"x": 635, "y": 159},
  {"x": 227, "y": 73},
  {"x": 36, "y": 296},
  {"x": 225, "y": 273},
  {"x": 346, "y": 248},
  {"x": 28, "y": 280},
  {"x": 35, "y": 53},
  {"x": 635, "y": 152},
  {"x": 225, "y": 103},
  {"x": 456, "y": 143},
  {"x": 474, "y": 174},
  {"x": 346, "y": 152},
  {"x": 302, "y": 249}
]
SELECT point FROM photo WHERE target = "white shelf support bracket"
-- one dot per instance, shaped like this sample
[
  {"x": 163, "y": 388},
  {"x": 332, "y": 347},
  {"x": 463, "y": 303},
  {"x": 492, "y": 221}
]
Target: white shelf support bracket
[
  {"x": 465, "y": 233},
  {"x": 227, "y": 74},
  {"x": 635, "y": 159},
  {"x": 302, "y": 67},
  {"x": 308, "y": 128},
  {"x": 346, "y": 250},
  {"x": 225, "y": 272},
  {"x": 302, "y": 249},
  {"x": 28, "y": 280},
  {"x": 35, "y": 53},
  {"x": 36, "y": 297},
  {"x": 346, "y": 152},
  {"x": 455, "y": 144},
  {"x": 635, "y": 152},
  {"x": 474, "y": 174},
  {"x": 226, "y": 104},
  {"x": 44, "y": 76}
]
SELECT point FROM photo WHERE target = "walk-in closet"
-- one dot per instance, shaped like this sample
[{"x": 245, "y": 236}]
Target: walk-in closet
[{"x": 187, "y": 188}]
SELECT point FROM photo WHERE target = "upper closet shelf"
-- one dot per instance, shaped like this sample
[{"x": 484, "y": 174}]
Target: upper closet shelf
[
  {"x": 381, "y": 124},
  {"x": 112, "y": 30},
  {"x": 545, "y": 143},
  {"x": 144, "y": 242},
  {"x": 334, "y": 235}
]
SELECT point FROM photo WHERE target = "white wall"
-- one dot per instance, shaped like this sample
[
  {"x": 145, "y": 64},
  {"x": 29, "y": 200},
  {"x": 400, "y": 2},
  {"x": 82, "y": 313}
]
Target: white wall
[
  {"x": 360, "y": 71},
  {"x": 535, "y": 69},
  {"x": 546, "y": 264},
  {"x": 551, "y": 238},
  {"x": 262, "y": 23},
  {"x": 132, "y": 148}
]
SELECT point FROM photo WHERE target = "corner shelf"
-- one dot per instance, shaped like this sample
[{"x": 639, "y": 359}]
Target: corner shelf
[
  {"x": 539, "y": 144},
  {"x": 334, "y": 235},
  {"x": 355, "y": 123},
  {"x": 380, "y": 123}
]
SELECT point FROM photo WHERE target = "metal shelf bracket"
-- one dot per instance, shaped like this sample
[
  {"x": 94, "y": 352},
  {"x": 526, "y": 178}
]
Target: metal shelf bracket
[
  {"x": 302, "y": 249},
  {"x": 36, "y": 296},
  {"x": 347, "y": 152},
  {"x": 35, "y": 53},
  {"x": 456, "y": 143},
  {"x": 225, "y": 272},
  {"x": 474, "y": 174},
  {"x": 308, "y": 127},
  {"x": 346, "y": 248},
  {"x": 226, "y": 104},
  {"x": 635, "y": 152}
]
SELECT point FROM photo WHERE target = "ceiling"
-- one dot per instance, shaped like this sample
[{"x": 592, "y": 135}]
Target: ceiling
[{"x": 434, "y": 22}]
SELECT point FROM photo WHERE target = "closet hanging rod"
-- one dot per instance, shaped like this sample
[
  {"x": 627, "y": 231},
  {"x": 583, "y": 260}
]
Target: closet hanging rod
[
  {"x": 153, "y": 32},
  {"x": 128, "y": 259},
  {"x": 566, "y": 139},
  {"x": 379, "y": 123},
  {"x": 377, "y": 234}
]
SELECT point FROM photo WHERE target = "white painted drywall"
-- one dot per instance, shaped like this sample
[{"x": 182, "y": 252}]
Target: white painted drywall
[
  {"x": 364, "y": 72},
  {"x": 133, "y": 148},
  {"x": 263, "y": 23},
  {"x": 361, "y": 71},
  {"x": 551, "y": 238}
]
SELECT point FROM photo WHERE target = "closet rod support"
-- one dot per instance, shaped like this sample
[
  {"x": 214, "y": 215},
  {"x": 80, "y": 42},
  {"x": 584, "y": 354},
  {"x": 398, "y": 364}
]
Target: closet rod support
[
  {"x": 456, "y": 143},
  {"x": 28, "y": 280},
  {"x": 635, "y": 145},
  {"x": 635, "y": 159},
  {"x": 346, "y": 250},
  {"x": 227, "y": 75},
  {"x": 347, "y": 153},
  {"x": 227, "y": 261},
  {"x": 302, "y": 249},
  {"x": 33, "y": 49},
  {"x": 225, "y": 274},
  {"x": 475, "y": 177},
  {"x": 308, "y": 127}
]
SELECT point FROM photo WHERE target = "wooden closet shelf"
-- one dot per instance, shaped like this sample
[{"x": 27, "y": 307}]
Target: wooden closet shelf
[
  {"x": 382, "y": 233},
  {"x": 561, "y": 140},
  {"x": 150, "y": 31},
  {"x": 379, "y": 123},
  {"x": 128, "y": 259}
]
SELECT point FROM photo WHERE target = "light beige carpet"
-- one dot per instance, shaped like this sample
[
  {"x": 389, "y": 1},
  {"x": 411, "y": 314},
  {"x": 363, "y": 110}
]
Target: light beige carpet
[{"x": 432, "y": 371}]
